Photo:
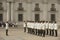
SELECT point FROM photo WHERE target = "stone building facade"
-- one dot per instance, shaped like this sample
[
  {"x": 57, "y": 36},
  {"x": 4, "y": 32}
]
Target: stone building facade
[{"x": 32, "y": 10}]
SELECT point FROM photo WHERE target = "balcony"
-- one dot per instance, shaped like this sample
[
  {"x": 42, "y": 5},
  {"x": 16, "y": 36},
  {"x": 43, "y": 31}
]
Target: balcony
[{"x": 1, "y": 9}]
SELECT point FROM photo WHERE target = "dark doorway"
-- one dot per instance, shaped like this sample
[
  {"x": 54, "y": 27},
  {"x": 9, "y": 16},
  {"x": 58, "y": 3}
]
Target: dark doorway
[
  {"x": 1, "y": 17},
  {"x": 37, "y": 17},
  {"x": 20, "y": 17},
  {"x": 52, "y": 17}
]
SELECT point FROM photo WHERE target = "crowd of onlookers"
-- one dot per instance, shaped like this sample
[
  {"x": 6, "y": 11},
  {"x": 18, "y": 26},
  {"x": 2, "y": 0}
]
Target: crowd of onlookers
[{"x": 10, "y": 24}]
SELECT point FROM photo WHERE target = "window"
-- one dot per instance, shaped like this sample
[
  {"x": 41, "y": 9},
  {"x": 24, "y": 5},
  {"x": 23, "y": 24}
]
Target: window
[
  {"x": 1, "y": 8},
  {"x": 37, "y": 17},
  {"x": 37, "y": 7},
  {"x": 58, "y": 1},
  {"x": 53, "y": 7},
  {"x": 20, "y": 17},
  {"x": 1, "y": 17},
  {"x": 52, "y": 17},
  {"x": 20, "y": 7}
]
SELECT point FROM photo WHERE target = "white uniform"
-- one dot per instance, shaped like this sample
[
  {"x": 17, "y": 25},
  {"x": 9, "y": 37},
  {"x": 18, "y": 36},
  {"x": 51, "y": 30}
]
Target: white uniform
[
  {"x": 43, "y": 26},
  {"x": 6, "y": 25},
  {"x": 52, "y": 25},
  {"x": 28, "y": 24},
  {"x": 55, "y": 26},
  {"x": 24, "y": 25},
  {"x": 35, "y": 26},
  {"x": 31, "y": 25},
  {"x": 47, "y": 25},
  {"x": 40, "y": 26}
]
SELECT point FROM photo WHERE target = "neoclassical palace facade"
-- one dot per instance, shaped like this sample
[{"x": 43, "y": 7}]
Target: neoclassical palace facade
[{"x": 32, "y": 10}]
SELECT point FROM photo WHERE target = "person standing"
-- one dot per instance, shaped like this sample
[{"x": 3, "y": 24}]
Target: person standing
[
  {"x": 55, "y": 29},
  {"x": 39, "y": 29},
  {"x": 46, "y": 27},
  {"x": 25, "y": 25},
  {"x": 43, "y": 28},
  {"x": 52, "y": 29},
  {"x": 28, "y": 26},
  {"x": 36, "y": 25},
  {"x": 6, "y": 28}
]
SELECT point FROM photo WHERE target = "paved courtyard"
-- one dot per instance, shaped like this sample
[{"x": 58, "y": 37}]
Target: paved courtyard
[{"x": 18, "y": 34}]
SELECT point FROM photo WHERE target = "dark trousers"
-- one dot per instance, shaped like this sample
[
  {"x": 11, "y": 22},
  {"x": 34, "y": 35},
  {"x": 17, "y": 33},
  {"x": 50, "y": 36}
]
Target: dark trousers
[
  {"x": 46, "y": 31},
  {"x": 56, "y": 33},
  {"x": 24, "y": 29},
  {"x": 52, "y": 32},
  {"x": 40, "y": 32},
  {"x": 31, "y": 30},
  {"x": 35, "y": 31},
  {"x": 28, "y": 30},
  {"x": 6, "y": 32},
  {"x": 43, "y": 33}
]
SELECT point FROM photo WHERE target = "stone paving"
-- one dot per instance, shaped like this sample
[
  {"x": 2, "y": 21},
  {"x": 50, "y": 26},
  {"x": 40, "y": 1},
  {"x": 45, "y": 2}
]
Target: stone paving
[{"x": 18, "y": 34}]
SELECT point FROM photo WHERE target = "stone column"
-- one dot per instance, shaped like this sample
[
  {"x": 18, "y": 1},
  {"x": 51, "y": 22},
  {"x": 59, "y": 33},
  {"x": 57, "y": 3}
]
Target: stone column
[
  {"x": 12, "y": 10},
  {"x": 7, "y": 11}
]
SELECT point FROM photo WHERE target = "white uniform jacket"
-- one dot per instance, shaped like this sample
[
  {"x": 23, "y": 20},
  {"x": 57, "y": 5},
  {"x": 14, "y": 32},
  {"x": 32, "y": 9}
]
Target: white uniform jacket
[
  {"x": 38, "y": 27},
  {"x": 52, "y": 26},
  {"x": 55, "y": 26},
  {"x": 35, "y": 26},
  {"x": 6, "y": 25},
  {"x": 47, "y": 25},
  {"x": 43, "y": 26},
  {"x": 24, "y": 25},
  {"x": 28, "y": 25}
]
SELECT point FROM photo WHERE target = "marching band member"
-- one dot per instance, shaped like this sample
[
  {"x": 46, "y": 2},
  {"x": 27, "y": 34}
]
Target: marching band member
[{"x": 55, "y": 28}]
